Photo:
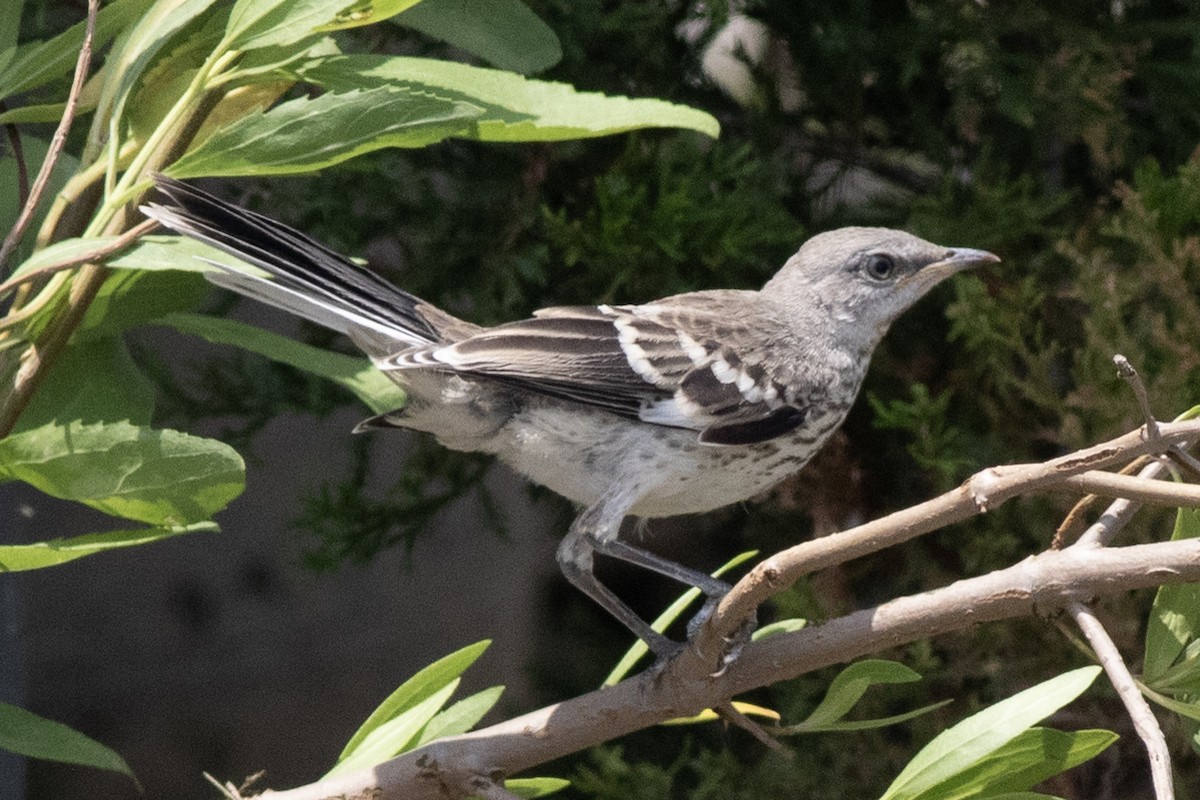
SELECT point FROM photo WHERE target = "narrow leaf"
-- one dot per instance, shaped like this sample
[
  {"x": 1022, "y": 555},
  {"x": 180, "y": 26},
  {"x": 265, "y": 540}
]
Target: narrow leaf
[
  {"x": 161, "y": 477},
  {"x": 51, "y": 553},
  {"x": 961, "y": 746},
  {"x": 416, "y": 689},
  {"x": 305, "y": 135},
  {"x": 35, "y": 64},
  {"x": 1032, "y": 757},
  {"x": 505, "y": 33},
  {"x": 779, "y": 626},
  {"x": 27, "y": 734},
  {"x": 845, "y": 726},
  {"x": 639, "y": 649},
  {"x": 852, "y": 683},
  {"x": 1175, "y": 615},
  {"x": 513, "y": 108},
  {"x": 535, "y": 787},
  {"x": 394, "y": 736},
  {"x": 462, "y": 716}
]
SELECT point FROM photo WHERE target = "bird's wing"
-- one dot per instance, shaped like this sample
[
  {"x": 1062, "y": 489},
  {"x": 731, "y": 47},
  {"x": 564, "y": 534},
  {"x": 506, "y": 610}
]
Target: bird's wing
[{"x": 698, "y": 361}]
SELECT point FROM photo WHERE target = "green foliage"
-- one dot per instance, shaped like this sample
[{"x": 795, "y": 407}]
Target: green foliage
[{"x": 30, "y": 735}]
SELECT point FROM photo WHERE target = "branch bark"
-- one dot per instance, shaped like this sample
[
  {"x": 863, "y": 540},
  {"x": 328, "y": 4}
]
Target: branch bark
[{"x": 1040, "y": 584}]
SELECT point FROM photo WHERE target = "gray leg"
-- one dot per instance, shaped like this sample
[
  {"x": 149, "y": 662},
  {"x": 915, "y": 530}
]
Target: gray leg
[{"x": 595, "y": 530}]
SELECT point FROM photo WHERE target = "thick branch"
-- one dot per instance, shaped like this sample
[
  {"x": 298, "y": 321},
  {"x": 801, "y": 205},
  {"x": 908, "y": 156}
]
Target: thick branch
[
  {"x": 981, "y": 492},
  {"x": 1038, "y": 584}
]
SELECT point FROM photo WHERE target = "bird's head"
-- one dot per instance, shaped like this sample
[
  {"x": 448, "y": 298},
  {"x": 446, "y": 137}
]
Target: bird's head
[{"x": 856, "y": 281}]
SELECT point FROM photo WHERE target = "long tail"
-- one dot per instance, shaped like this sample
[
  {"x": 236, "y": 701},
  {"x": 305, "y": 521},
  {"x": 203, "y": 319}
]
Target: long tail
[{"x": 307, "y": 278}]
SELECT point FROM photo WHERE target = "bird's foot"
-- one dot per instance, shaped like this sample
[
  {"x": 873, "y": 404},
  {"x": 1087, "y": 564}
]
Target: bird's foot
[{"x": 733, "y": 644}]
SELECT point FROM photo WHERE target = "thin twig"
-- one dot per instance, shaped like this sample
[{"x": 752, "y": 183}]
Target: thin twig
[
  {"x": 1108, "y": 484},
  {"x": 1143, "y": 719},
  {"x": 729, "y": 712},
  {"x": 96, "y": 254},
  {"x": 18, "y": 151},
  {"x": 59, "y": 139},
  {"x": 1130, "y": 375}
]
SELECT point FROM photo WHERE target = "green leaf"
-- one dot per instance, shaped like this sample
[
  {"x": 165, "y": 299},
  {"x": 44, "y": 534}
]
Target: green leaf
[
  {"x": 393, "y": 736},
  {"x": 1175, "y": 615},
  {"x": 135, "y": 51},
  {"x": 150, "y": 253},
  {"x": 27, "y": 734},
  {"x": 535, "y": 787},
  {"x": 960, "y": 747},
  {"x": 304, "y": 135},
  {"x": 514, "y": 108},
  {"x": 92, "y": 381},
  {"x": 415, "y": 690},
  {"x": 1187, "y": 710},
  {"x": 779, "y": 626},
  {"x": 10, "y": 28},
  {"x": 1032, "y": 757},
  {"x": 10, "y": 201},
  {"x": 357, "y": 375},
  {"x": 51, "y": 553},
  {"x": 37, "y": 63},
  {"x": 367, "y": 12},
  {"x": 272, "y": 23},
  {"x": 161, "y": 477},
  {"x": 852, "y": 683},
  {"x": 130, "y": 298},
  {"x": 844, "y": 726},
  {"x": 505, "y": 33},
  {"x": 639, "y": 649},
  {"x": 460, "y": 717}
]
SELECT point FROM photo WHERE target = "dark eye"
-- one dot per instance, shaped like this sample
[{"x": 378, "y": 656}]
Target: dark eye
[{"x": 880, "y": 267}]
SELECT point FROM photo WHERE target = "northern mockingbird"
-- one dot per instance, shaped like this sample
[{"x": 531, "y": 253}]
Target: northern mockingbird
[{"x": 677, "y": 406}]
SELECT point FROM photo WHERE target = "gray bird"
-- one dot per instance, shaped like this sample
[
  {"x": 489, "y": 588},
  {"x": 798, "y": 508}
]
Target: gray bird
[{"x": 677, "y": 406}]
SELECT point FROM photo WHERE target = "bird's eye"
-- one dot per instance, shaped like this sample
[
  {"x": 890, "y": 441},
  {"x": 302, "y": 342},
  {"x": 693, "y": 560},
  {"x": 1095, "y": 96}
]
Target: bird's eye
[{"x": 880, "y": 267}]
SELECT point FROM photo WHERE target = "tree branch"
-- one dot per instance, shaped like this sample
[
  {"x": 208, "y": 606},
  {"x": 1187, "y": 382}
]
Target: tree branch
[
  {"x": 57, "y": 141},
  {"x": 684, "y": 687}
]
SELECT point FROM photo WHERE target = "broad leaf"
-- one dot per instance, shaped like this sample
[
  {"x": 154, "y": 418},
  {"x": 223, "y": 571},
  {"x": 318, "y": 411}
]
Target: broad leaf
[
  {"x": 505, "y": 33},
  {"x": 963, "y": 745},
  {"x": 51, "y": 553},
  {"x": 514, "y": 108},
  {"x": 92, "y": 381},
  {"x": 424, "y": 684},
  {"x": 357, "y": 375},
  {"x": 272, "y": 23},
  {"x": 161, "y": 477},
  {"x": 27, "y": 734},
  {"x": 304, "y": 135}
]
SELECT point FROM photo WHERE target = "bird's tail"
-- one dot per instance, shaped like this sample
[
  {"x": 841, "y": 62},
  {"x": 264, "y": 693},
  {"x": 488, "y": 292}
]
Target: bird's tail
[{"x": 306, "y": 278}]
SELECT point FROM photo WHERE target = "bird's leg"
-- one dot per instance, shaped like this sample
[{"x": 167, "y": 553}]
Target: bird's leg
[
  {"x": 706, "y": 583},
  {"x": 596, "y": 525}
]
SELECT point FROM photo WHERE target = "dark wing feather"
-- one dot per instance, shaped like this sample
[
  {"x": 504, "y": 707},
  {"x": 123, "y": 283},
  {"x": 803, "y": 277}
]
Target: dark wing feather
[{"x": 697, "y": 361}]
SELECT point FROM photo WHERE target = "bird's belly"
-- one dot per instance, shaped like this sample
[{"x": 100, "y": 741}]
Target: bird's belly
[{"x": 583, "y": 456}]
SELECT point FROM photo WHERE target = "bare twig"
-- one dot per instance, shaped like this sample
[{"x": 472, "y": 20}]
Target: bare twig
[
  {"x": 96, "y": 254},
  {"x": 57, "y": 141},
  {"x": 1108, "y": 484},
  {"x": 684, "y": 688},
  {"x": 1126, "y": 371},
  {"x": 14, "y": 139},
  {"x": 1144, "y": 723},
  {"x": 729, "y": 712}
]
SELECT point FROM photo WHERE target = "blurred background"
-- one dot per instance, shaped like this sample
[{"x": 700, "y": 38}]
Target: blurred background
[{"x": 1062, "y": 137}]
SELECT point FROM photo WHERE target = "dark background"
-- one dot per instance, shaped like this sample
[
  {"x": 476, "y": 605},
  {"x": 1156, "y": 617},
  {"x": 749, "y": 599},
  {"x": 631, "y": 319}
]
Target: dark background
[{"x": 1061, "y": 136}]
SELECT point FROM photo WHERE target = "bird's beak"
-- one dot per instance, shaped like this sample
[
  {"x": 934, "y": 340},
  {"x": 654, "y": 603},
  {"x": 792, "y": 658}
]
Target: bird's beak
[{"x": 961, "y": 258}]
